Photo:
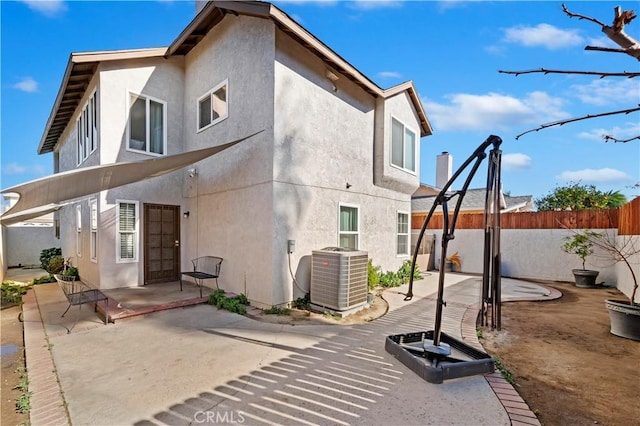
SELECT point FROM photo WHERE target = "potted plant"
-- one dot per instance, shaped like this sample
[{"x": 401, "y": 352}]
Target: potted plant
[
  {"x": 452, "y": 261},
  {"x": 581, "y": 244},
  {"x": 624, "y": 315}
]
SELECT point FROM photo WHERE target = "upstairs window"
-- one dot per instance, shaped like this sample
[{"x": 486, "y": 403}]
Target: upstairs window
[
  {"x": 402, "y": 243},
  {"x": 403, "y": 146},
  {"x": 212, "y": 107},
  {"x": 147, "y": 129},
  {"x": 87, "y": 129},
  {"x": 348, "y": 235}
]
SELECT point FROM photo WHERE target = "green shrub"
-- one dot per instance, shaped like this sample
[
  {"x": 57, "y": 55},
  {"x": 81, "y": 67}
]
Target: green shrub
[
  {"x": 234, "y": 304},
  {"x": 303, "y": 302},
  {"x": 10, "y": 292},
  {"x": 44, "y": 279},
  {"x": 47, "y": 254},
  {"x": 404, "y": 273},
  {"x": 55, "y": 265},
  {"x": 373, "y": 275},
  {"x": 390, "y": 279},
  {"x": 274, "y": 310}
]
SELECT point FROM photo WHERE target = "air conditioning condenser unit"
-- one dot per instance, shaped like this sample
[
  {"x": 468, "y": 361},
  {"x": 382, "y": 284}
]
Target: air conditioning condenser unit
[{"x": 338, "y": 278}]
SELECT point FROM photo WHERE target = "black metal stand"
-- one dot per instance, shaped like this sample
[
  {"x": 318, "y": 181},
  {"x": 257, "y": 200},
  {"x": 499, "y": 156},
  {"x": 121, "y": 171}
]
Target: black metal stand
[{"x": 429, "y": 353}]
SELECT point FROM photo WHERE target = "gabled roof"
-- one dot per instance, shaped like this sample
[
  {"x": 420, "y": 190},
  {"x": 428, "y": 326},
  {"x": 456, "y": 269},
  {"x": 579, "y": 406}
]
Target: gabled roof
[
  {"x": 82, "y": 66},
  {"x": 215, "y": 11},
  {"x": 474, "y": 200}
]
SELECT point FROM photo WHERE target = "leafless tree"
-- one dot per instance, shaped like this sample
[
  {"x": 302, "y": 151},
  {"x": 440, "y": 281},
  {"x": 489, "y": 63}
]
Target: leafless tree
[{"x": 628, "y": 45}]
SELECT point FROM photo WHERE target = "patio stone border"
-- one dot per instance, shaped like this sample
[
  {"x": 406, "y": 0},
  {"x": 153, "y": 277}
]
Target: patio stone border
[
  {"x": 518, "y": 410},
  {"x": 47, "y": 401}
]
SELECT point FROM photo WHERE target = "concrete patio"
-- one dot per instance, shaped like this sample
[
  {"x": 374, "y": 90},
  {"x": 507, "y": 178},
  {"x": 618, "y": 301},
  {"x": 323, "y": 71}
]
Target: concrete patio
[{"x": 199, "y": 364}]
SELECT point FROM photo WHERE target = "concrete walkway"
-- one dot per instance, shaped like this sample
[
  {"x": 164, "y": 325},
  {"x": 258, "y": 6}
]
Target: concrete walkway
[{"x": 200, "y": 365}]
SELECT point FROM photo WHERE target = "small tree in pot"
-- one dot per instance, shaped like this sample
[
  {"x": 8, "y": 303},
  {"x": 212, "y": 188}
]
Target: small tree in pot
[
  {"x": 624, "y": 315},
  {"x": 581, "y": 244}
]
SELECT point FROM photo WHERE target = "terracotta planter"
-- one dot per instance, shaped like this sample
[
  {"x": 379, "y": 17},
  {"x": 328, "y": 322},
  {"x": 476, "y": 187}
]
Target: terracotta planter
[
  {"x": 584, "y": 277},
  {"x": 625, "y": 319}
]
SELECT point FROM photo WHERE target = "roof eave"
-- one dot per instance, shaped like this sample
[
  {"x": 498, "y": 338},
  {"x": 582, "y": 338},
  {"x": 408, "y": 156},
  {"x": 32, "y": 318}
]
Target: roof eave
[
  {"x": 86, "y": 58},
  {"x": 408, "y": 86}
]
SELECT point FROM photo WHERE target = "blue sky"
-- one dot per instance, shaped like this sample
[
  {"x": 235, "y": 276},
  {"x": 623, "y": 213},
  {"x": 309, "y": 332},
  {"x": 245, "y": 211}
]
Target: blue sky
[{"x": 451, "y": 50}]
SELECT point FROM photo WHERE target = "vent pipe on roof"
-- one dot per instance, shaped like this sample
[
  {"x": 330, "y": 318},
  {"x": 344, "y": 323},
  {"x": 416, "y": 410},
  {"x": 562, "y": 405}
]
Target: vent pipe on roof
[{"x": 444, "y": 167}]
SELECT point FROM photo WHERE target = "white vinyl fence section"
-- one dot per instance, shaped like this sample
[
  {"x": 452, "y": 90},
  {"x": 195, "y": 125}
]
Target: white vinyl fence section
[{"x": 537, "y": 254}]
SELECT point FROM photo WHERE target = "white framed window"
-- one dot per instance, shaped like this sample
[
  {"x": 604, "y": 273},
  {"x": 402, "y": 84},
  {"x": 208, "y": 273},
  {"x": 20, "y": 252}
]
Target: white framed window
[
  {"x": 87, "y": 129},
  {"x": 349, "y": 226},
  {"x": 79, "y": 230},
  {"x": 402, "y": 231},
  {"x": 93, "y": 208},
  {"x": 147, "y": 125},
  {"x": 403, "y": 146},
  {"x": 212, "y": 106},
  {"x": 127, "y": 231}
]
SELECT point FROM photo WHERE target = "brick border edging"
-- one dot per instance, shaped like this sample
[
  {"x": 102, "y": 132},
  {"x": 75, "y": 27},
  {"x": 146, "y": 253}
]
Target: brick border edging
[
  {"x": 47, "y": 403},
  {"x": 517, "y": 408}
]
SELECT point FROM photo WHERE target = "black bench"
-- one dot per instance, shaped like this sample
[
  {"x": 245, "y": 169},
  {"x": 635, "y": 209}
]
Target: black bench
[
  {"x": 204, "y": 268},
  {"x": 78, "y": 293}
]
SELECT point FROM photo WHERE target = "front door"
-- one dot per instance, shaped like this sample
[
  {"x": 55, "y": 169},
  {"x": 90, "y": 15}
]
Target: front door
[{"x": 161, "y": 243}]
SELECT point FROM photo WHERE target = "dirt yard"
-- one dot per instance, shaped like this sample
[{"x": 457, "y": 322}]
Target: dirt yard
[
  {"x": 566, "y": 364},
  {"x": 12, "y": 360}
]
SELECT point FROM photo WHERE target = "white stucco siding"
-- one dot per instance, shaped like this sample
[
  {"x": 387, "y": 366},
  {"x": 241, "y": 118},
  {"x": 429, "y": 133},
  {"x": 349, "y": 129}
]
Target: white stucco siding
[
  {"x": 323, "y": 140},
  {"x": 160, "y": 79},
  {"x": 230, "y": 200},
  {"x": 239, "y": 50},
  {"x": 386, "y": 174}
]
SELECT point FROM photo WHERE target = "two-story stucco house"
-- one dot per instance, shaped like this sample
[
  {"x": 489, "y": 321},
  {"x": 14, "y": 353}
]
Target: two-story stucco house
[{"x": 335, "y": 164}]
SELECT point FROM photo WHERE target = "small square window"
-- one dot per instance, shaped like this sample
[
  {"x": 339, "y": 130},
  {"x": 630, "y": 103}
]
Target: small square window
[{"x": 212, "y": 107}]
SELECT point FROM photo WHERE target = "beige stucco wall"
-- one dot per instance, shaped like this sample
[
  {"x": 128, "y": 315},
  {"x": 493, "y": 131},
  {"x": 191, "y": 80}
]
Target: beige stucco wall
[
  {"x": 230, "y": 200},
  {"x": 161, "y": 79},
  {"x": 284, "y": 184},
  {"x": 324, "y": 139}
]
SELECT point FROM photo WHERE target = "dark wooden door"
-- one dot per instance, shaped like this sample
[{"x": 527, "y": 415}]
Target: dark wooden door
[{"x": 161, "y": 243}]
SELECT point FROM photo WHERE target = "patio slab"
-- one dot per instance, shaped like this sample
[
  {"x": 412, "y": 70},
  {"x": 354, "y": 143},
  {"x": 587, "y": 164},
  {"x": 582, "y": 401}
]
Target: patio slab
[{"x": 187, "y": 365}]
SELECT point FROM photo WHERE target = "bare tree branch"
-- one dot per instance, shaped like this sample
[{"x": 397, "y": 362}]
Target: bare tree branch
[
  {"x": 586, "y": 117},
  {"x": 608, "y": 138},
  {"x": 581, "y": 17},
  {"x": 615, "y": 32},
  {"x": 627, "y": 74}
]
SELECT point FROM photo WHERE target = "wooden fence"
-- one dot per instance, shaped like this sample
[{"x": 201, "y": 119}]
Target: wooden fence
[
  {"x": 629, "y": 218},
  {"x": 626, "y": 219}
]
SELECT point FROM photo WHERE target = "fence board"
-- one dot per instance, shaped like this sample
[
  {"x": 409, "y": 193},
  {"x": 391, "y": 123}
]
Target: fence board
[
  {"x": 629, "y": 218},
  {"x": 579, "y": 219}
]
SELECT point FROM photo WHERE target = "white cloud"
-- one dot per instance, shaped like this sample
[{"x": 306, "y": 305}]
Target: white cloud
[
  {"x": 516, "y": 161},
  {"x": 27, "y": 84},
  {"x": 17, "y": 169},
  {"x": 608, "y": 92},
  {"x": 605, "y": 175},
  {"x": 389, "y": 74},
  {"x": 493, "y": 111},
  {"x": 13, "y": 169},
  {"x": 628, "y": 130},
  {"x": 46, "y": 7},
  {"x": 544, "y": 35}
]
